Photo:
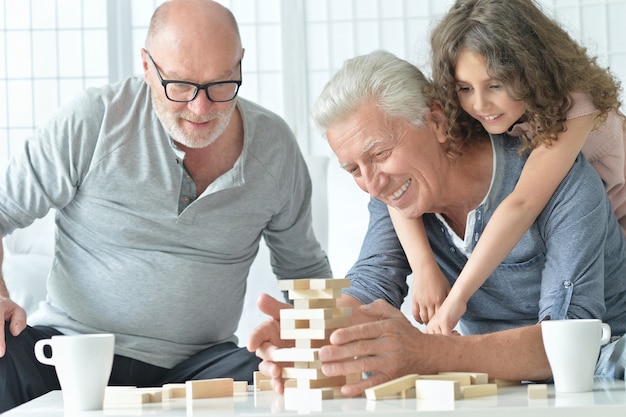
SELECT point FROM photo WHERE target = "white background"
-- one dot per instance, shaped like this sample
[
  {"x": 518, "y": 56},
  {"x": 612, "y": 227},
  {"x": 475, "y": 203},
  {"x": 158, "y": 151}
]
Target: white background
[{"x": 51, "y": 49}]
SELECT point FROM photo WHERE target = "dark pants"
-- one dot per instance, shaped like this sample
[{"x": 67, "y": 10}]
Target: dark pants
[{"x": 23, "y": 378}]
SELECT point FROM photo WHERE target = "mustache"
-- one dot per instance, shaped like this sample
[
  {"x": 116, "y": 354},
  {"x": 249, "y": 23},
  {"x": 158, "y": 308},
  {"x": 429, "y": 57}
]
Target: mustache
[{"x": 194, "y": 118}]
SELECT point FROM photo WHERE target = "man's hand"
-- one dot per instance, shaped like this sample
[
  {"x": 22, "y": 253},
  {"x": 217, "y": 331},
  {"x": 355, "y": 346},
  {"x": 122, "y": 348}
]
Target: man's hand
[
  {"x": 15, "y": 315},
  {"x": 265, "y": 339},
  {"x": 387, "y": 348}
]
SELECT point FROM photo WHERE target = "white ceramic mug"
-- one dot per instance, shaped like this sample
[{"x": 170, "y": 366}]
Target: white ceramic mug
[
  {"x": 83, "y": 365},
  {"x": 572, "y": 347}
]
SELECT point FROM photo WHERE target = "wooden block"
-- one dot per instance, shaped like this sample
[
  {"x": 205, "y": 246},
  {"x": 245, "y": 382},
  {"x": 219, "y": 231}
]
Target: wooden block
[
  {"x": 295, "y": 354},
  {"x": 326, "y": 382},
  {"x": 306, "y": 400},
  {"x": 444, "y": 391},
  {"x": 537, "y": 391},
  {"x": 330, "y": 323},
  {"x": 308, "y": 365},
  {"x": 170, "y": 391},
  {"x": 504, "y": 382},
  {"x": 332, "y": 293},
  {"x": 476, "y": 378},
  {"x": 482, "y": 390},
  {"x": 261, "y": 381},
  {"x": 393, "y": 387},
  {"x": 209, "y": 388},
  {"x": 463, "y": 380},
  {"x": 304, "y": 303},
  {"x": 353, "y": 378},
  {"x": 313, "y": 334},
  {"x": 311, "y": 344},
  {"x": 129, "y": 396},
  {"x": 310, "y": 394},
  {"x": 240, "y": 386},
  {"x": 312, "y": 283},
  {"x": 290, "y": 324},
  {"x": 314, "y": 313},
  {"x": 302, "y": 373}
]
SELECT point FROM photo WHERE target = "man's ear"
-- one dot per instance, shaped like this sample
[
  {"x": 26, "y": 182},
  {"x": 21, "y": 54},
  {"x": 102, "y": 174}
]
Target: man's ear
[
  {"x": 144, "y": 63},
  {"x": 438, "y": 121}
]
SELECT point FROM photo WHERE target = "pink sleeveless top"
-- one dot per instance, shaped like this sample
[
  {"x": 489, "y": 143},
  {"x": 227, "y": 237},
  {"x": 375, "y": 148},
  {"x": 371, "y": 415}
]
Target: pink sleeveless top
[{"x": 604, "y": 149}]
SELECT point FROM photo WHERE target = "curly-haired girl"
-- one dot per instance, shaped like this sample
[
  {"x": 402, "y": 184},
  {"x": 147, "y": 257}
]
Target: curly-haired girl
[{"x": 506, "y": 67}]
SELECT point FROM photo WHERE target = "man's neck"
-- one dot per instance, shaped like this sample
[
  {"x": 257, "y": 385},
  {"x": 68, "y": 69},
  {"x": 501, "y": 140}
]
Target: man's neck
[
  {"x": 468, "y": 183},
  {"x": 208, "y": 163}
]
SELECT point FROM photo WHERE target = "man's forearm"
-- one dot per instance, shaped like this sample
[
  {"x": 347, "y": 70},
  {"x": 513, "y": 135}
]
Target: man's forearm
[
  {"x": 515, "y": 354},
  {"x": 4, "y": 292}
]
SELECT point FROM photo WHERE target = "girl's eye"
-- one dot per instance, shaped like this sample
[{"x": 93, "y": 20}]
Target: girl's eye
[
  {"x": 462, "y": 89},
  {"x": 495, "y": 86}
]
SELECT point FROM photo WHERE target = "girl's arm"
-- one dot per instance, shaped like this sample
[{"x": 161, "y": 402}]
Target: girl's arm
[
  {"x": 430, "y": 287},
  {"x": 543, "y": 172}
]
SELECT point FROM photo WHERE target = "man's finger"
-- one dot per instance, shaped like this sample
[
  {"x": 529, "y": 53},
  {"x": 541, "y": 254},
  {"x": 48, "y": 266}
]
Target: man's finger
[{"x": 271, "y": 306}]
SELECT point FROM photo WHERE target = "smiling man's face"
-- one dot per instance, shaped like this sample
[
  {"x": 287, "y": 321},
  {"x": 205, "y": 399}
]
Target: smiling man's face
[{"x": 390, "y": 159}]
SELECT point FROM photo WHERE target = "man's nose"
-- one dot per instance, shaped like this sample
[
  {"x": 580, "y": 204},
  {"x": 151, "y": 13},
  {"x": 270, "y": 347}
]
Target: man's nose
[
  {"x": 200, "y": 104},
  {"x": 372, "y": 181}
]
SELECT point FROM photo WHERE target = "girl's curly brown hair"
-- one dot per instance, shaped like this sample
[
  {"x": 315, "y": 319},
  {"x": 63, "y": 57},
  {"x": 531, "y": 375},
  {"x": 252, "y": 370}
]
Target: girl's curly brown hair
[{"x": 529, "y": 53}]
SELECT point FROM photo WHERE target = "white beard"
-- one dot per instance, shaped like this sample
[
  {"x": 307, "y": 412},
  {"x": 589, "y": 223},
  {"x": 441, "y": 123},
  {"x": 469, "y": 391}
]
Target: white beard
[{"x": 170, "y": 120}]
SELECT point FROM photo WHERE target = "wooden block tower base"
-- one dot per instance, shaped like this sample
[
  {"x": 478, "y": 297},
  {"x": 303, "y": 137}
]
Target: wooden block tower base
[{"x": 314, "y": 317}]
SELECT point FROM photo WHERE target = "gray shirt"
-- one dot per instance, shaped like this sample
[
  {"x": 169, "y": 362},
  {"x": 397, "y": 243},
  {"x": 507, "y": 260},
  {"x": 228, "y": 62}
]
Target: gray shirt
[
  {"x": 167, "y": 283},
  {"x": 571, "y": 263}
]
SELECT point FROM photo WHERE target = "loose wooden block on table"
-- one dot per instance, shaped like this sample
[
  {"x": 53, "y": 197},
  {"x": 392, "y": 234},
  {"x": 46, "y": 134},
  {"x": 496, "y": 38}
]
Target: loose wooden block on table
[
  {"x": 476, "y": 378},
  {"x": 537, "y": 391},
  {"x": 501, "y": 383},
  {"x": 240, "y": 386},
  {"x": 209, "y": 388},
  {"x": 462, "y": 379},
  {"x": 482, "y": 390},
  {"x": 443, "y": 390},
  {"x": 393, "y": 387},
  {"x": 261, "y": 381},
  {"x": 174, "y": 391},
  {"x": 129, "y": 396}
]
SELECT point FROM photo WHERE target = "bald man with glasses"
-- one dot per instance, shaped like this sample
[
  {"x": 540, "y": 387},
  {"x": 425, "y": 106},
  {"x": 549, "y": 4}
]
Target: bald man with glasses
[{"x": 163, "y": 187}]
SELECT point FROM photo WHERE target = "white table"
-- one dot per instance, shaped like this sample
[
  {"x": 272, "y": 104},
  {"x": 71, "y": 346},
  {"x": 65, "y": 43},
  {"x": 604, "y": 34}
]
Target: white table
[{"x": 607, "y": 399}]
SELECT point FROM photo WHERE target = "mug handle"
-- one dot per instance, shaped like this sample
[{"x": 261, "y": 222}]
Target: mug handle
[
  {"x": 39, "y": 354},
  {"x": 606, "y": 334}
]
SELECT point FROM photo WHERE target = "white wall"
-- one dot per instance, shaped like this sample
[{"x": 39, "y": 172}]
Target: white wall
[{"x": 50, "y": 50}]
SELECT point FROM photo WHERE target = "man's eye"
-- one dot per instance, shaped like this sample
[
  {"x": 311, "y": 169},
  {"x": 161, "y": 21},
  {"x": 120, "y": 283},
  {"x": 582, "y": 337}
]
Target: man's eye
[
  {"x": 382, "y": 154},
  {"x": 353, "y": 170}
]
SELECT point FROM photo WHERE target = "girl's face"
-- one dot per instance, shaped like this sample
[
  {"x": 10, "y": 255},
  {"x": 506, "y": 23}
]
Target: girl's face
[{"x": 484, "y": 98}]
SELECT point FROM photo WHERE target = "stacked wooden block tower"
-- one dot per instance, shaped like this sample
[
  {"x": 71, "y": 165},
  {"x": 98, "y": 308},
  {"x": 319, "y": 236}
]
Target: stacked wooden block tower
[{"x": 314, "y": 317}]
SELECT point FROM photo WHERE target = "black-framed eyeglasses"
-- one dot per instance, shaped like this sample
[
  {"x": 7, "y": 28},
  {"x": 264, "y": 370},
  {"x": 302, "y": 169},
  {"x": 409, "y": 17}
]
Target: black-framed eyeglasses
[{"x": 185, "y": 91}]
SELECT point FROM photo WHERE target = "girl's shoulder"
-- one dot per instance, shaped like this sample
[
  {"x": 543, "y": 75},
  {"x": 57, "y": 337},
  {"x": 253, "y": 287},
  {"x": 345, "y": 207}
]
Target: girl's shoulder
[{"x": 582, "y": 105}]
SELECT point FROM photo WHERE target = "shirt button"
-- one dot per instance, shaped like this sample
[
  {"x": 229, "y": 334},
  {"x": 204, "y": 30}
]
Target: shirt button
[
  {"x": 186, "y": 200},
  {"x": 452, "y": 249},
  {"x": 567, "y": 284}
]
